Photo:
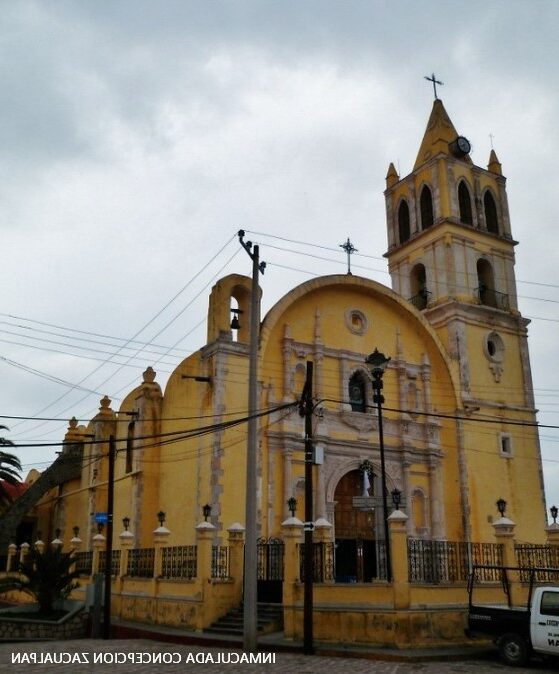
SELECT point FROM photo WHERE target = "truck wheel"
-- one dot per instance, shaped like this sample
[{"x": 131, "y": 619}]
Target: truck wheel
[{"x": 513, "y": 650}]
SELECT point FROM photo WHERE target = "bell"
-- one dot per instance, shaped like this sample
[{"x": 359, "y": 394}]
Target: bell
[{"x": 235, "y": 325}]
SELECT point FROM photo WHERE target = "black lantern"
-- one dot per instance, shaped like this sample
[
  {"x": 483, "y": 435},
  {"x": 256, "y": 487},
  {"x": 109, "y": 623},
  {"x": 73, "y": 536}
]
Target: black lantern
[
  {"x": 292, "y": 505},
  {"x": 76, "y": 531},
  {"x": 100, "y": 528},
  {"x": 207, "y": 511},
  {"x": 125, "y": 523},
  {"x": 57, "y": 533},
  {"x": 396, "y": 498},
  {"x": 377, "y": 363},
  {"x": 501, "y": 506},
  {"x": 39, "y": 535},
  {"x": 554, "y": 512},
  {"x": 161, "y": 517}
]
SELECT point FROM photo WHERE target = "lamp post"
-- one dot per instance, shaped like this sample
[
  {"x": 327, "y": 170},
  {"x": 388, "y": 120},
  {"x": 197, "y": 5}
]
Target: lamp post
[
  {"x": 396, "y": 498},
  {"x": 161, "y": 518},
  {"x": 554, "y": 511},
  {"x": 377, "y": 363}
]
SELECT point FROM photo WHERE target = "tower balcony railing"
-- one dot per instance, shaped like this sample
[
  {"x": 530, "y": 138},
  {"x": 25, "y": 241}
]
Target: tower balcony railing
[
  {"x": 421, "y": 300},
  {"x": 492, "y": 298}
]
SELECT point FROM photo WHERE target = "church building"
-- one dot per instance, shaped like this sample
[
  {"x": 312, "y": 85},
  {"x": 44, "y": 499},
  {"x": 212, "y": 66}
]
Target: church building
[{"x": 458, "y": 417}]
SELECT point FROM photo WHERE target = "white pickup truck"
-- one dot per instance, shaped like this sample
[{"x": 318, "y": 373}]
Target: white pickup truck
[{"x": 519, "y": 632}]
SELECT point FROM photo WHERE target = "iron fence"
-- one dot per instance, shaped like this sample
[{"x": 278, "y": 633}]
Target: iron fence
[
  {"x": 179, "y": 561},
  {"x": 492, "y": 298},
  {"x": 545, "y": 557},
  {"x": 421, "y": 300},
  {"x": 115, "y": 562},
  {"x": 435, "y": 562},
  {"x": 84, "y": 562},
  {"x": 141, "y": 562},
  {"x": 220, "y": 561},
  {"x": 323, "y": 562},
  {"x": 269, "y": 557}
]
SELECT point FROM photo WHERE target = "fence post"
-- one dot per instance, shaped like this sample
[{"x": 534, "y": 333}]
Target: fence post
[
  {"x": 23, "y": 551},
  {"x": 236, "y": 542},
  {"x": 12, "y": 552},
  {"x": 292, "y": 529},
  {"x": 399, "y": 548},
  {"x": 98, "y": 545},
  {"x": 504, "y": 534},
  {"x": 204, "y": 540},
  {"x": 160, "y": 538},
  {"x": 126, "y": 542},
  {"x": 552, "y": 532}
]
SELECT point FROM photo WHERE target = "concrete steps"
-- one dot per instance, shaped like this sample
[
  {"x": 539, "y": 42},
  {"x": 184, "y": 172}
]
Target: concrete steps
[{"x": 269, "y": 619}]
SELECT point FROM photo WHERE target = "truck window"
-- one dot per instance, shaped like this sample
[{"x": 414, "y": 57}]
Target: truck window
[{"x": 550, "y": 603}]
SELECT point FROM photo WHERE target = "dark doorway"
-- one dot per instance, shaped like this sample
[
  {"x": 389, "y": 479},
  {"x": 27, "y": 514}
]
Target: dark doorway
[
  {"x": 356, "y": 545},
  {"x": 270, "y": 570}
]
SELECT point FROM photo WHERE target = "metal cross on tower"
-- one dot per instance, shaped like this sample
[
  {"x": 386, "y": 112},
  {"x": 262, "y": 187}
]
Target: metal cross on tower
[
  {"x": 435, "y": 82},
  {"x": 349, "y": 249}
]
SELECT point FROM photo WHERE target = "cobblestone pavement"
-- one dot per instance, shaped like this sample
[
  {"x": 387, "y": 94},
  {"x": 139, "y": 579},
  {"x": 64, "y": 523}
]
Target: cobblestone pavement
[{"x": 141, "y": 656}]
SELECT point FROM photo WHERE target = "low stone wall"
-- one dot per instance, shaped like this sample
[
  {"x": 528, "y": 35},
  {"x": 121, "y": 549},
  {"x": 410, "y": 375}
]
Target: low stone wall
[
  {"x": 71, "y": 626},
  {"x": 380, "y": 627}
]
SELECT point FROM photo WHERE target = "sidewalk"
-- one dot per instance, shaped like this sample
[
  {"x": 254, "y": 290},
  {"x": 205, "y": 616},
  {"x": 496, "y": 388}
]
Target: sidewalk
[{"x": 276, "y": 642}]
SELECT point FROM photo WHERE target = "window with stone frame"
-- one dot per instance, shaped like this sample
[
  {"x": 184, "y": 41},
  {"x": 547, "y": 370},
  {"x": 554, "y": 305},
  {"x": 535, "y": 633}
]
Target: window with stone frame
[{"x": 357, "y": 389}]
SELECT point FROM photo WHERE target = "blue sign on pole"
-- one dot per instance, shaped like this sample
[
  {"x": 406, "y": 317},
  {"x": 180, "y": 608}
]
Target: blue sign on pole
[{"x": 101, "y": 518}]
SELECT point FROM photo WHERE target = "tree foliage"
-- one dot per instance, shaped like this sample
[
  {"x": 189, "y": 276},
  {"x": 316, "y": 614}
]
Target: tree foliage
[
  {"x": 47, "y": 576},
  {"x": 9, "y": 470}
]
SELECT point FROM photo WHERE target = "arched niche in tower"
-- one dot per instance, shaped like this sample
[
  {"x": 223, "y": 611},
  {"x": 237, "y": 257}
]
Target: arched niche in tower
[
  {"x": 486, "y": 283},
  {"x": 465, "y": 203},
  {"x": 426, "y": 208},
  {"x": 403, "y": 222},
  {"x": 418, "y": 286},
  {"x": 490, "y": 212}
]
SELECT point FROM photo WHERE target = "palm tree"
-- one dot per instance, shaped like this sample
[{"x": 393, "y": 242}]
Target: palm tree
[
  {"x": 9, "y": 469},
  {"x": 46, "y": 575}
]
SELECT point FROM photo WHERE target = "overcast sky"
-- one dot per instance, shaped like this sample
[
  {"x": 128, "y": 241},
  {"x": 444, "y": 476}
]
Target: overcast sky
[{"x": 137, "y": 137}]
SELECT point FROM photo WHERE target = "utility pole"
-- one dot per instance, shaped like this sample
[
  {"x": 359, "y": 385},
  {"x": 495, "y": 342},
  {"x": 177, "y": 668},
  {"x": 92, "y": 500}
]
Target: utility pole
[
  {"x": 251, "y": 525},
  {"x": 109, "y": 541},
  {"x": 306, "y": 410}
]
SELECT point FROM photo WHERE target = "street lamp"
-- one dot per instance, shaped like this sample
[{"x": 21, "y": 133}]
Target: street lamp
[
  {"x": 377, "y": 363},
  {"x": 396, "y": 498},
  {"x": 292, "y": 505},
  {"x": 554, "y": 511},
  {"x": 206, "y": 511},
  {"x": 161, "y": 517},
  {"x": 126, "y": 523},
  {"x": 501, "y": 506}
]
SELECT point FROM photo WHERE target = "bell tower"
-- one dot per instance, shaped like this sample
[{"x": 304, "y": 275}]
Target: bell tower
[
  {"x": 449, "y": 235},
  {"x": 451, "y": 255}
]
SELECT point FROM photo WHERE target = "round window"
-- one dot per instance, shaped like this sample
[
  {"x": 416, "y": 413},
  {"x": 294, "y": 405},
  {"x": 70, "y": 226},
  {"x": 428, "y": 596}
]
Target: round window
[
  {"x": 494, "y": 347},
  {"x": 356, "y": 321}
]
